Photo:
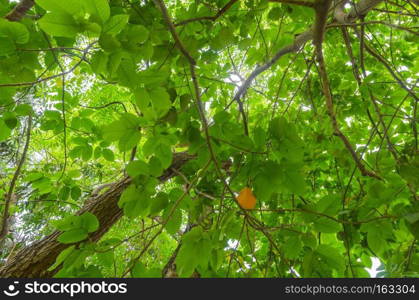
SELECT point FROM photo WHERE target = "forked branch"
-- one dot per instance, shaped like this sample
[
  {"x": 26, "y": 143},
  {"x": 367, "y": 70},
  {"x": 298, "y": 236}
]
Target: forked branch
[{"x": 322, "y": 8}]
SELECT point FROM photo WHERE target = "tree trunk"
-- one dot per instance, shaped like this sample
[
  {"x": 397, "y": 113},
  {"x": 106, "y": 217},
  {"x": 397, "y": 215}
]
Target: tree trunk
[
  {"x": 35, "y": 259},
  {"x": 20, "y": 10}
]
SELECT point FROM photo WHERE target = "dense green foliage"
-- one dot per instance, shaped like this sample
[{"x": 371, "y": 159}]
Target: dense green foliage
[{"x": 95, "y": 90}]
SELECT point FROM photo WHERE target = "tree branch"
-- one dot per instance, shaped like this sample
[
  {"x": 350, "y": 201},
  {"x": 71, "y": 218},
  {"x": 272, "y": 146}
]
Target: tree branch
[
  {"x": 358, "y": 10},
  {"x": 20, "y": 10},
  {"x": 375, "y": 54},
  {"x": 9, "y": 196},
  {"x": 19, "y": 84},
  {"x": 198, "y": 101},
  {"x": 322, "y": 8},
  {"x": 295, "y": 2},
  {"x": 209, "y": 18},
  {"x": 230, "y": 4}
]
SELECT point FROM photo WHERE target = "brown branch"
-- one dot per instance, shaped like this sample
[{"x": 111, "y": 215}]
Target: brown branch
[
  {"x": 106, "y": 105},
  {"x": 231, "y": 3},
  {"x": 10, "y": 194},
  {"x": 209, "y": 18},
  {"x": 20, "y": 10},
  {"x": 169, "y": 216},
  {"x": 173, "y": 32},
  {"x": 299, "y": 41},
  {"x": 374, "y": 22},
  {"x": 399, "y": 13},
  {"x": 295, "y": 2},
  {"x": 381, "y": 59},
  {"x": 338, "y": 16},
  {"x": 197, "y": 98},
  {"x": 360, "y": 9},
  {"x": 20, "y": 84},
  {"x": 322, "y": 8}
]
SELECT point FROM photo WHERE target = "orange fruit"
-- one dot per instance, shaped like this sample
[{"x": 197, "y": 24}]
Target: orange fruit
[{"x": 246, "y": 198}]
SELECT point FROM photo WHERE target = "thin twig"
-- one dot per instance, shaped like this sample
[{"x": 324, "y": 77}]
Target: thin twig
[{"x": 19, "y": 84}]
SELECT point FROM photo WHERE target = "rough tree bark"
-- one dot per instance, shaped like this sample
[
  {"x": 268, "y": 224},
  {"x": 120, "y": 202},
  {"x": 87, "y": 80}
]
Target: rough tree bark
[
  {"x": 20, "y": 10},
  {"x": 34, "y": 260}
]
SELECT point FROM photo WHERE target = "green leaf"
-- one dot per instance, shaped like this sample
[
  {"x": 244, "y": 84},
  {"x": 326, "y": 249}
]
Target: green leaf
[
  {"x": 60, "y": 25},
  {"x": 129, "y": 140},
  {"x": 99, "y": 8},
  {"x": 164, "y": 153},
  {"x": 114, "y": 131},
  {"x": 17, "y": 32},
  {"x": 24, "y": 110},
  {"x": 61, "y": 257},
  {"x": 75, "y": 193},
  {"x": 99, "y": 63},
  {"x": 195, "y": 251},
  {"x": 76, "y": 259},
  {"x": 160, "y": 101},
  {"x": 331, "y": 256},
  {"x": 378, "y": 194},
  {"x": 137, "y": 167},
  {"x": 159, "y": 203},
  {"x": 293, "y": 178},
  {"x": 5, "y": 131},
  {"x": 108, "y": 154},
  {"x": 67, "y": 223},
  {"x": 64, "y": 193},
  {"x": 134, "y": 201},
  {"x": 89, "y": 222},
  {"x": 137, "y": 34},
  {"x": 143, "y": 99},
  {"x": 6, "y": 49},
  {"x": 326, "y": 225},
  {"x": 71, "y": 7},
  {"x": 127, "y": 73},
  {"x": 329, "y": 204},
  {"x": 292, "y": 247},
  {"x": 375, "y": 240},
  {"x": 414, "y": 229},
  {"x": 139, "y": 271},
  {"x": 377, "y": 235},
  {"x": 115, "y": 24},
  {"x": 155, "y": 167},
  {"x": 290, "y": 146},
  {"x": 73, "y": 236},
  {"x": 275, "y": 13},
  {"x": 125, "y": 131},
  {"x": 175, "y": 220},
  {"x": 410, "y": 170}
]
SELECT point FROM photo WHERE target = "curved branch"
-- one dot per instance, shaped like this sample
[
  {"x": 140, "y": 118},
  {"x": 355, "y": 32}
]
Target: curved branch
[
  {"x": 230, "y": 4},
  {"x": 9, "y": 196},
  {"x": 83, "y": 58},
  {"x": 209, "y": 18}
]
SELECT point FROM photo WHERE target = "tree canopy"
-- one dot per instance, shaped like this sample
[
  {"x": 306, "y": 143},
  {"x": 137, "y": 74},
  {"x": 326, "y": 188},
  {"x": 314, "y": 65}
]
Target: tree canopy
[{"x": 224, "y": 138}]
